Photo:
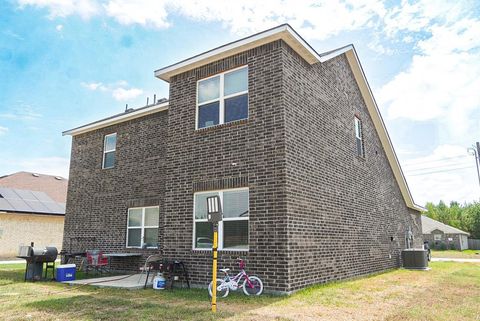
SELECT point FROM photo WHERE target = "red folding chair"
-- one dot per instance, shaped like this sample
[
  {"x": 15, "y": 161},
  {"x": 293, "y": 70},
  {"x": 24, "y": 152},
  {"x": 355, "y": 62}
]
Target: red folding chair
[{"x": 96, "y": 261}]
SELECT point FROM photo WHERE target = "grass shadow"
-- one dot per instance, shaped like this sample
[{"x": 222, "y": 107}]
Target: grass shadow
[{"x": 118, "y": 308}]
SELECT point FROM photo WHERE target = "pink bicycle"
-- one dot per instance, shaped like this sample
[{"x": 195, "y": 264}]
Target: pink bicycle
[{"x": 252, "y": 285}]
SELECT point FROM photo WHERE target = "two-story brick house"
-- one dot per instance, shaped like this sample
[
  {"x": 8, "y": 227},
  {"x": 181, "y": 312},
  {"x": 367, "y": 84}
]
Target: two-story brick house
[{"x": 290, "y": 139}]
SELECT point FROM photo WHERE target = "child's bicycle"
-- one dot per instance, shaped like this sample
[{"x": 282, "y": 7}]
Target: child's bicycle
[{"x": 252, "y": 285}]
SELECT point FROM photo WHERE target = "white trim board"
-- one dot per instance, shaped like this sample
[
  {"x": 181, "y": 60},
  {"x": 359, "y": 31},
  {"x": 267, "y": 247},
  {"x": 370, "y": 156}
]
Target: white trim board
[
  {"x": 117, "y": 119},
  {"x": 284, "y": 32}
]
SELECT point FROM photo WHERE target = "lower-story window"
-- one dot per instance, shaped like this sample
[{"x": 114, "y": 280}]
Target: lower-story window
[
  {"x": 232, "y": 230},
  {"x": 142, "y": 227}
]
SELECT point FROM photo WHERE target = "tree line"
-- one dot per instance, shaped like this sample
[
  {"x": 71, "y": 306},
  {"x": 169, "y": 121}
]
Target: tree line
[{"x": 465, "y": 217}]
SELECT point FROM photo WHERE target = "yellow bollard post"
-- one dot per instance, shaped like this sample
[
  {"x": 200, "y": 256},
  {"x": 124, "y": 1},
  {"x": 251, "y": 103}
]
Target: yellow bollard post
[
  {"x": 214, "y": 215},
  {"x": 214, "y": 272}
]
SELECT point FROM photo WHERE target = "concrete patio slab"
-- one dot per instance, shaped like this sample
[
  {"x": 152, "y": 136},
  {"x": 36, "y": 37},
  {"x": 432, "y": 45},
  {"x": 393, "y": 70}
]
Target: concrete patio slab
[{"x": 130, "y": 281}]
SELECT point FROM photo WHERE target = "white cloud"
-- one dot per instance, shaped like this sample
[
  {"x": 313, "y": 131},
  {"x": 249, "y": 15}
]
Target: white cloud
[
  {"x": 117, "y": 89},
  {"x": 448, "y": 174},
  {"x": 313, "y": 19},
  {"x": 143, "y": 12},
  {"x": 46, "y": 165},
  {"x": 59, "y": 28},
  {"x": 3, "y": 130},
  {"x": 94, "y": 86},
  {"x": 122, "y": 94},
  {"x": 64, "y": 8},
  {"x": 442, "y": 80}
]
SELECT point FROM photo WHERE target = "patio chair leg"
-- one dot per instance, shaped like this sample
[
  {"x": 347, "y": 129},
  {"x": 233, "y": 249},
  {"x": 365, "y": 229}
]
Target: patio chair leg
[
  {"x": 185, "y": 274},
  {"x": 146, "y": 279}
]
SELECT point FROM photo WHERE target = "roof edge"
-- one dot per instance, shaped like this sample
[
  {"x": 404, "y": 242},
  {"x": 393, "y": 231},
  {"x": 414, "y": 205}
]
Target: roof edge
[
  {"x": 284, "y": 32},
  {"x": 378, "y": 122},
  {"x": 117, "y": 119},
  {"x": 32, "y": 213},
  {"x": 459, "y": 231}
]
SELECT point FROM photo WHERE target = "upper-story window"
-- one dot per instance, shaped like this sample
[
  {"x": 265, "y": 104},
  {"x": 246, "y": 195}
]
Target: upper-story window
[
  {"x": 109, "y": 146},
  {"x": 359, "y": 137},
  {"x": 222, "y": 98}
]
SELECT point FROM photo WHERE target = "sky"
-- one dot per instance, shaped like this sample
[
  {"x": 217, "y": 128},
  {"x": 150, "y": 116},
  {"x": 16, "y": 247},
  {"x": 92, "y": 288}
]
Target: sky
[{"x": 67, "y": 63}]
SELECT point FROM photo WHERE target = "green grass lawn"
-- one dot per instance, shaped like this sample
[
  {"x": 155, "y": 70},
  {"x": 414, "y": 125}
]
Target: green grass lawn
[
  {"x": 465, "y": 254},
  {"x": 449, "y": 291}
]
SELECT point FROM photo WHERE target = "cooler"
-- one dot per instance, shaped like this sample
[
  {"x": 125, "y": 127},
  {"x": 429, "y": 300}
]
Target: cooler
[{"x": 66, "y": 272}]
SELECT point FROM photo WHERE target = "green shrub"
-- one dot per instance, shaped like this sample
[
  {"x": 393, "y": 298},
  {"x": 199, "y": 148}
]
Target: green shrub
[{"x": 442, "y": 246}]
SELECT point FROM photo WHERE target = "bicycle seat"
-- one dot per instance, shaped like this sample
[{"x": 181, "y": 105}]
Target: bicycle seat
[{"x": 225, "y": 270}]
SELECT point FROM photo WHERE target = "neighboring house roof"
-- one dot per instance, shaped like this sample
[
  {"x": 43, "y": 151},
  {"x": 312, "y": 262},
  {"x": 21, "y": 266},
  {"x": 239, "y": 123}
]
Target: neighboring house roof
[
  {"x": 297, "y": 43},
  {"x": 54, "y": 186},
  {"x": 26, "y": 201},
  {"x": 429, "y": 225}
]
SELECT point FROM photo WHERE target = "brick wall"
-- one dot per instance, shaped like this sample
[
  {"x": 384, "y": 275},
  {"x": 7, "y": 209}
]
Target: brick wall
[
  {"x": 317, "y": 212},
  {"x": 98, "y": 199},
  {"x": 346, "y": 215},
  {"x": 202, "y": 160}
]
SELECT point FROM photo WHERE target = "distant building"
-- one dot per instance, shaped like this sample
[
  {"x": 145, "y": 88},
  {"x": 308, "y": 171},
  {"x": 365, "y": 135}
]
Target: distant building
[
  {"x": 440, "y": 235},
  {"x": 54, "y": 186},
  {"x": 32, "y": 209}
]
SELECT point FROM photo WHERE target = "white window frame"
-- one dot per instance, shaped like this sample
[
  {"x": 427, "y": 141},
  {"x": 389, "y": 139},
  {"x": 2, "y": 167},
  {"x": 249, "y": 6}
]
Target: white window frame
[
  {"x": 141, "y": 227},
  {"x": 105, "y": 151},
  {"x": 221, "y": 98},
  {"x": 220, "y": 224},
  {"x": 437, "y": 237},
  {"x": 359, "y": 135}
]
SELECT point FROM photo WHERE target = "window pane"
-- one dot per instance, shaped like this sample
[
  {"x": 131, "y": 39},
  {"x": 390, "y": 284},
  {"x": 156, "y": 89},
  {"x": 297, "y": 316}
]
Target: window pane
[
  {"x": 151, "y": 237},
  {"x": 359, "y": 147},
  {"x": 203, "y": 235},
  {"x": 208, "y": 89},
  {"x": 235, "y": 204},
  {"x": 134, "y": 237},
  {"x": 151, "y": 216},
  {"x": 135, "y": 217},
  {"x": 208, "y": 115},
  {"x": 236, "y": 108},
  {"x": 109, "y": 160},
  {"x": 110, "y": 142},
  {"x": 201, "y": 205},
  {"x": 235, "y": 234},
  {"x": 236, "y": 81},
  {"x": 358, "y": 128}
]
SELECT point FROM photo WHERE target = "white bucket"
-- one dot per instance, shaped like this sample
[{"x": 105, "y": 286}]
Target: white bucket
[{"x": 159, "y": 282}]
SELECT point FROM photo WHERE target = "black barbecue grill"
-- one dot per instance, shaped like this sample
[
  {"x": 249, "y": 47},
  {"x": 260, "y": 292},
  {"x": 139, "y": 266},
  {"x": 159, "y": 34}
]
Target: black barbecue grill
[{"x": 35, "y": 258}]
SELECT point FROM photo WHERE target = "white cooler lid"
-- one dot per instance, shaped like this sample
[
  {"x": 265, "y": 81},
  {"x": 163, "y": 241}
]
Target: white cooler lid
[{"x": 65, "y": 266}]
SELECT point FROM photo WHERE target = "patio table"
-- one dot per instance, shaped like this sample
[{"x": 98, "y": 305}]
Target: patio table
[{"x": 119, "y": 255}]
